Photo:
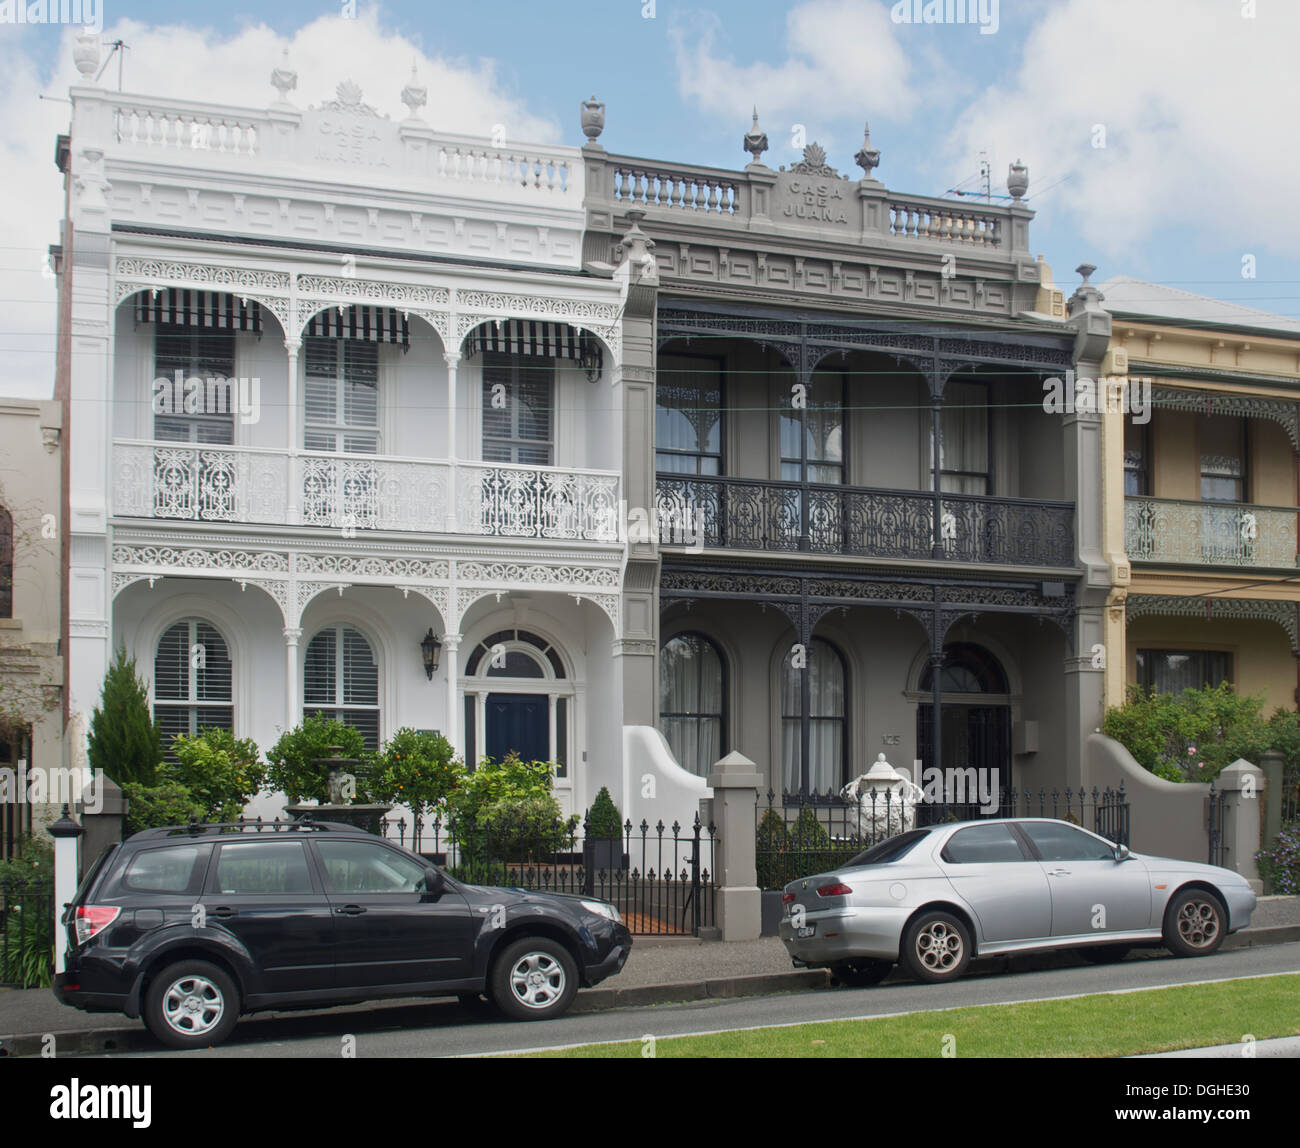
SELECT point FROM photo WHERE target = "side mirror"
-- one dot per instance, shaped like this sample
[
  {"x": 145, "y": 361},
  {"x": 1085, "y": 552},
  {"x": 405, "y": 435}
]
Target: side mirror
[
  {"x": 1122, "y": 853},
  {"x": 434, "y": 884}
]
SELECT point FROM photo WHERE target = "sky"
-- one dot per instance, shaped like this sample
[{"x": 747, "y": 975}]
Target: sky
[{"x": 1157, "y": 132}]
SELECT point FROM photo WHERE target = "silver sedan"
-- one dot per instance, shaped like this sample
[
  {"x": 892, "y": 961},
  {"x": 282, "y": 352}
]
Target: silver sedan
[{"x": 933, "y": 899}]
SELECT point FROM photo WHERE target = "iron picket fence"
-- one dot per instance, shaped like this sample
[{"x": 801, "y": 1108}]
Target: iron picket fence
[
  {"x": 26, "y": 933},
  {"x": 804, "y": 834},
  {"x": 1214, "y": 824},
  {"x": 660, "y": 878}
]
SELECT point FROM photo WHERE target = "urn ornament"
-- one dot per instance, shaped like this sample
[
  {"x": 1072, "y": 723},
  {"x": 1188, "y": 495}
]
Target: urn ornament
[
  {"x": 593, "y": 118},
  {"x": 1017, "y": 179}
]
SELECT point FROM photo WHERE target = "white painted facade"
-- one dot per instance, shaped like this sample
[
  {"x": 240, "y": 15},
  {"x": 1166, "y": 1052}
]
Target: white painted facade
[{"x": 299, "y": 214}]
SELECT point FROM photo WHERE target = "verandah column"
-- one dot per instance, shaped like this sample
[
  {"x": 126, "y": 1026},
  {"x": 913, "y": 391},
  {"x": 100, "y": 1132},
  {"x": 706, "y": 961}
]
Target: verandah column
[
  {"x": 292, "y": 708},
  {"x": 294, "y": 510},
  {"x": 452, "y": 359},
  {"x": 451, "y": 662}
]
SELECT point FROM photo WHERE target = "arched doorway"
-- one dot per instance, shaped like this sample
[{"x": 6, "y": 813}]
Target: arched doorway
[
  {"x": 976, "y": 716},
  {"x": 519, "y": 699}
]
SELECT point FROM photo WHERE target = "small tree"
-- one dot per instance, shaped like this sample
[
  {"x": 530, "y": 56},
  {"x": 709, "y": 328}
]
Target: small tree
[
  {"x": 123, "y": 740},
  {"x": 291, "y": 763},
  {"x": 221, "y": 771},
  {"x": 416, "y": 769},
  {"x": 603, "y": 820},
  {"x": 149, "y": 806}
]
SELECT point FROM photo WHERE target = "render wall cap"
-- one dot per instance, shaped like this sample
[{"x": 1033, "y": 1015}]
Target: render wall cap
[{"x": 735, "y": 771}]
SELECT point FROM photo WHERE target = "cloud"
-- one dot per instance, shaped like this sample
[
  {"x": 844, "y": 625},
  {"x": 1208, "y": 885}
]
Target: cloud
[
  {"x": 195, "y": 63},
  {"x": 840, "y": 54},
  {"x": 1192, "y": 101}
]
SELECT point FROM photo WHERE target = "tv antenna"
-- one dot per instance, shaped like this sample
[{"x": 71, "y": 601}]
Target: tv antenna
[
  {"x": 119, "y": 47},
  {"x": 986, "y": 179}
]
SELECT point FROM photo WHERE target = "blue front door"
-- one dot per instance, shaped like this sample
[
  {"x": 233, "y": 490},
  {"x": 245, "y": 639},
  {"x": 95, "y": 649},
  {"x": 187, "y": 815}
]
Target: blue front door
[{"x": 519, "y": 722}]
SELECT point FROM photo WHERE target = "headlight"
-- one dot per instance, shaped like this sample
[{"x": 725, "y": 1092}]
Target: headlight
[{"x": 601, "y": 909}]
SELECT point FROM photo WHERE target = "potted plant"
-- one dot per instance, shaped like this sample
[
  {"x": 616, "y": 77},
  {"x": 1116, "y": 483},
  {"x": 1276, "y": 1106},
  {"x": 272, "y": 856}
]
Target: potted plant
[{"x": 602, "y": 844}]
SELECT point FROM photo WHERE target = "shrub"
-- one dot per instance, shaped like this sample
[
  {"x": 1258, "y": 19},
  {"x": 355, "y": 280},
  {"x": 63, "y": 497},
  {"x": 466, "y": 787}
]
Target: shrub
[
  {"x": 1279, "y": 864},
  {"x": 123, "y": 740},
  {"x": 505, "y": 811},
  {"x": 153, "y": 805},
  {"x": 1192, "y": 736},
  {"x": 291, "y": 763},
  {"x": 526, "y": 829},
  {"x": 221, "y": 772},
  {"x": 772, "y": 846},
  {"x": 26, "y": 920},
  {"x": 603, "y": 820}
]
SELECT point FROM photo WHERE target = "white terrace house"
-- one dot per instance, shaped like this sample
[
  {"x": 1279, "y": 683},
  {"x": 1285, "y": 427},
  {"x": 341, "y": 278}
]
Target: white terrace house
[{"x": 338, "y": 384}]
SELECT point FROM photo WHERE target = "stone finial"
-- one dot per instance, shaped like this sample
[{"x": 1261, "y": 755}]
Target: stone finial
[
  {"x": 868, "y": 157},
  {"x": 415, "y": 95},
  {"x": 1017, "y": 179},
  {"x": 1086, "y": 297},
  {"x": 85, "y": 54},
  {"x": 593, "y": 121},
  {"x": 755, "y": 141},
  {"x": 284, "y": 79}
]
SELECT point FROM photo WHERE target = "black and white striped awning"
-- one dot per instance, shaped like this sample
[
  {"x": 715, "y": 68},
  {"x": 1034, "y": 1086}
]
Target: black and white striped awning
[
  {"x": 527, "y": 337},
  {"x": 371, "y": 324},
  {"x": 214, "y": 310}
]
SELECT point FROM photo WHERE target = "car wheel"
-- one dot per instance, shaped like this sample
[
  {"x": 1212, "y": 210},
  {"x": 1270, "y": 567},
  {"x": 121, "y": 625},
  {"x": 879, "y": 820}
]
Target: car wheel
[
  {"x": 1105, "y": 954},
  {"x": 936, "y": 947},
  {"x": 1195, "y": 923},
  {"x": 534, "y": 979},
  {"x": 191, "y": 1004},
  {"x": 861, "y": 974}
]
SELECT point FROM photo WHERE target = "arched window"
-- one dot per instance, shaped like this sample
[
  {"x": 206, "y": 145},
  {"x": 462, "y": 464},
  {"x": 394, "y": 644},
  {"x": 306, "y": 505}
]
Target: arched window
[
  {"x": 967, "y": 669},
  {"x": 6, "y": 564},
  {"x": 191, "y": 681},
  {"x": 341, "y": 680},
  {"x": 693, "y": 701},
  {"x": 827, "y": 744}
]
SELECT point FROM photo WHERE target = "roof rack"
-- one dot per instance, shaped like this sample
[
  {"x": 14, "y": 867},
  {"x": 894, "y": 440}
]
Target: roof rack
[{"x": 305, "y": 824}]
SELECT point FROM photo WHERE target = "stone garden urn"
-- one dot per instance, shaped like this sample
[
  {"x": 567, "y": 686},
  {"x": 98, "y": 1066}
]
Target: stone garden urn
[{"x": 340, "y": 776}]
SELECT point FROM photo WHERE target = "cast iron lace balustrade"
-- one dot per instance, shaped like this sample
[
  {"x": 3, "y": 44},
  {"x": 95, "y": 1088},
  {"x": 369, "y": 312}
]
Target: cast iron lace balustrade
[
  {"x": 752, "y": 514},
  {"x": 1209, "y": 533}
]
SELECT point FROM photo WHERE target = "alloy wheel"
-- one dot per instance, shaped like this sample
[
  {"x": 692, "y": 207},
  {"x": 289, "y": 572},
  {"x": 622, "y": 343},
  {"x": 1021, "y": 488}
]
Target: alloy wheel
[
  {"x": 1198, "y": 923},
  {"x": 939, "y": 947}
]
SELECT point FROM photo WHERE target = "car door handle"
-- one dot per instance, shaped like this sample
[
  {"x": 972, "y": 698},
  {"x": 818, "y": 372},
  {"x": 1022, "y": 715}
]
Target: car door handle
[
  {"x": 350, "y": 910},
  {"x": 223, "y": 912},
  {"x": 1058, "y": 872}
]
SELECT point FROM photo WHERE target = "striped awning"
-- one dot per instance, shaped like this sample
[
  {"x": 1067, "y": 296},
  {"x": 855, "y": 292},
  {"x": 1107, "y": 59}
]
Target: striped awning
[
  {"x": 371, "y": 324},
  {"x": 216, "y": 310},
  {"x": 527, "y": 337}
]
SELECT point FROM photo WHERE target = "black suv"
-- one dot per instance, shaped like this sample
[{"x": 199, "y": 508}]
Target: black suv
[{"x": 190, "y": 927}]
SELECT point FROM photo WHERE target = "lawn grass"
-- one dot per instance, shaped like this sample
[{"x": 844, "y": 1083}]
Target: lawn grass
[{"x": 1102, "y": 1025}]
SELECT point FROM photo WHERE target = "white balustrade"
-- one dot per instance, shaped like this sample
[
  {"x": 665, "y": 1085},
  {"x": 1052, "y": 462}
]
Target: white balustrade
[{"x": 201, "y": 483}]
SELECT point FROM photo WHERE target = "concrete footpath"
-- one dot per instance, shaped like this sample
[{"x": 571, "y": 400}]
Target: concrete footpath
[{"x": 659, "y": 971}]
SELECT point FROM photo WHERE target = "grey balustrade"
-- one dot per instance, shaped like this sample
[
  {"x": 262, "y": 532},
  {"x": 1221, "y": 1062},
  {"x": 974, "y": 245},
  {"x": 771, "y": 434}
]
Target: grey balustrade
[{"x": 752, "y": 514}]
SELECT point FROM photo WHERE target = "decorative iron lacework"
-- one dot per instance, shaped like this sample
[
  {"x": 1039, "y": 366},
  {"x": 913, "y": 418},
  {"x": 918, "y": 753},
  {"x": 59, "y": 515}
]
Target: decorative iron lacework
[
  {"x": 1233, "y": 609},
  {"x": 369, "y": 567},
  {"x": 501, "y": 573},
  {"x": 197, "y": 558},
  {"x": 1216, "y": 402},
  {"x": 821, "y": 339}
]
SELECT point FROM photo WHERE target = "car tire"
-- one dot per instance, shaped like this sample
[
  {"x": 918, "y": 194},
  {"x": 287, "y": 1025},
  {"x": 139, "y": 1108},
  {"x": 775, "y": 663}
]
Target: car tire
[
  {"x": 1105, "y": 954},
  {"x": 1195, "y": 923},
  {"x": 191, "y": 1004},
  {"x": 534, "y": 978},
  {"x": 936, "y": 948},
  {"x": 861, "y": 974}
]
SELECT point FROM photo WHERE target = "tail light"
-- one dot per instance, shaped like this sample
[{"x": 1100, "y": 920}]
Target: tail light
[
  {"x": 93, "y": 919},
  {"x": 839, "y": 889},
  {"x": 787, "y": 898}
]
